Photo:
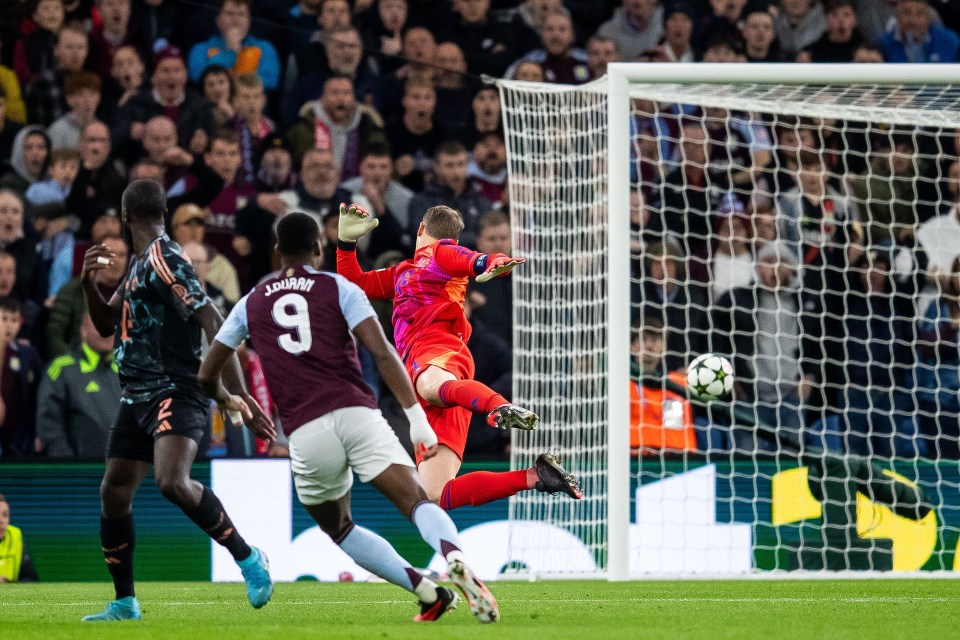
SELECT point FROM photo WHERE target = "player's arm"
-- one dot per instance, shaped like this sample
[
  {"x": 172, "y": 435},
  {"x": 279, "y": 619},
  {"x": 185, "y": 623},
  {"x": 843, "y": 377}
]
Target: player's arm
[
  {"x": 220, "y": 376},
  {"x": 461, "y": 262},
  {"x": 363, "y": 323},
  {"x": 103, "y": 313},
  {"x": 354, "y": 224},
  {"x": 370, "y": 333}
]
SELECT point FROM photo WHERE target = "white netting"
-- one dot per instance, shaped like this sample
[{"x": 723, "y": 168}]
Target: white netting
[
  {"x": 557, "y": 143},
  {"x": 845, "y": 344}
]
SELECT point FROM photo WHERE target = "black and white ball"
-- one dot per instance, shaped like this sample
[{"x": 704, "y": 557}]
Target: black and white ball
[{"x": 710, "y": 377}]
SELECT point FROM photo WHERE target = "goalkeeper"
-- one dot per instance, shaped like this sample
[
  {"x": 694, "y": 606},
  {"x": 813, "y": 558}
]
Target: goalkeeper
[{"x": 431, "y": 333}]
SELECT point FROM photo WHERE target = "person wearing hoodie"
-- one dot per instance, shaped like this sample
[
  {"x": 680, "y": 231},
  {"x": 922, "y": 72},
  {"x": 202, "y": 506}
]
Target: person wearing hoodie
[
  {"x": 450, "y": 187},
  {"x": 765, "y": 330},
  {"x": 28, "y": 159},
  {"x": 337, "y": 123}
]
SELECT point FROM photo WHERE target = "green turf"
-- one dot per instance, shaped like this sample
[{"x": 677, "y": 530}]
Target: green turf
[{"x": 836, "y": 610}]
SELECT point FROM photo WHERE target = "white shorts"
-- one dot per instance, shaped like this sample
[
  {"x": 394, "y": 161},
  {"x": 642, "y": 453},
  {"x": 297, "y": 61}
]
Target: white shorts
[{"x": 324, "y": 451}]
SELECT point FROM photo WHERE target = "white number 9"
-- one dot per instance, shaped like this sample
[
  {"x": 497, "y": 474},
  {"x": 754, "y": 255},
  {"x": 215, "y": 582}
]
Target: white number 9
[{"x": 299, "y": 321}]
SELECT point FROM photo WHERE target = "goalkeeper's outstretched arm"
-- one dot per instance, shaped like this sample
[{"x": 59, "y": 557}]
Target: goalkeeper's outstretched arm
[
  {"x": 354, "y": 224},
  {"x": 462, "y": 262}
]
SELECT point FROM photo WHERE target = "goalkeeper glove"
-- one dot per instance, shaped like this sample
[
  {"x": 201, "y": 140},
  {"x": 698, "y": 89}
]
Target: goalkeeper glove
[
  {"x": 354, "y": 223},
  {"x": 499, "y": 265},
  {"x": 421, "y": 433}
]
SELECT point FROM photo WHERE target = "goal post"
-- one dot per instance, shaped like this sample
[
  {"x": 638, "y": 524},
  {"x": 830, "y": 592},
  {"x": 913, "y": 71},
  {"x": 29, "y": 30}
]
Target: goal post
[{"x": 575, "y": 156}]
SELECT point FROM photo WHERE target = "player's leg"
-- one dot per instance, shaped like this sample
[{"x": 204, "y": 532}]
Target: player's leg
[
  {"x": 323, "y": 477},
  {"x": 121, "y": 479},
  {"x": 399, "y": 483},
  {"x": 129, "y": 452},
  {"x": 443, "y": 388},
  {"x": 376, "y": 555},
  {"x": 173, "y": 457},
  {"x": 373, "y": 451},
  {"x": 439, "y": 473}
]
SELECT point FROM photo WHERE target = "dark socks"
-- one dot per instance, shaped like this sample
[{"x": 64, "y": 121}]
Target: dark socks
[
  {"x": 117, "y": 539},
  {"x": 210, "y": 516}
]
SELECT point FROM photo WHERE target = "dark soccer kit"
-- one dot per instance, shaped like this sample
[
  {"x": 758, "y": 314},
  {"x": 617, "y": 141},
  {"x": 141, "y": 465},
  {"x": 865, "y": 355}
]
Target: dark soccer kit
[{"x": 158, "y": 353}]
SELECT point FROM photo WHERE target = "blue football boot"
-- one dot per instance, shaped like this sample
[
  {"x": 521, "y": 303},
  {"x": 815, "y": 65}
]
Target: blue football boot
[
  {"x": 123, "y": 609},
  {"x": 256, "y": 573}
]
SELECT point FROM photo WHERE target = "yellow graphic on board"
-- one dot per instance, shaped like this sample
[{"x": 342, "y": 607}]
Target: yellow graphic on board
[
  {"x": 792, "y": 500},
  {"x": 913, "y": 541}
]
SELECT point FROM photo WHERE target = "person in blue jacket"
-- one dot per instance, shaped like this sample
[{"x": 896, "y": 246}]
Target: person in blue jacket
[
  {"x": 915, "y": 38},
  {"x": 234, "y": 48}
]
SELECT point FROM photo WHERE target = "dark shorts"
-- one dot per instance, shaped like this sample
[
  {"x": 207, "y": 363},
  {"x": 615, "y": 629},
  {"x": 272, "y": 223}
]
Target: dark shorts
[{"x": 171, "y": 413}]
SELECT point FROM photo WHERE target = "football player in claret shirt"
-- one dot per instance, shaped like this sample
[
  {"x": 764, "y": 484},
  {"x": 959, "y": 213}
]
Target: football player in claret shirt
[
  {"x": 157, "y": 315},
  {"x": 302, "y": 322},
  {"x": 431, "y": 333}
]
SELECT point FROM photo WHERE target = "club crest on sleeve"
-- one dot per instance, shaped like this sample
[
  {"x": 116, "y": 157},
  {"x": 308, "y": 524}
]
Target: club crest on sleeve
[{"x": 180, "y": 291}]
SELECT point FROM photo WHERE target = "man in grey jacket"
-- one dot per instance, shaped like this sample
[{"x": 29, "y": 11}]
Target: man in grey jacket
[
  {"x": 636, "y": 27},
  {"x": 78, "y": 398}
]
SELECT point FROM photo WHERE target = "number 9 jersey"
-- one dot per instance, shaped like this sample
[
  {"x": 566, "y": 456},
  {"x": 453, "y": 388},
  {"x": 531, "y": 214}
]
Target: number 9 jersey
[{"x": 299, "y": 322}]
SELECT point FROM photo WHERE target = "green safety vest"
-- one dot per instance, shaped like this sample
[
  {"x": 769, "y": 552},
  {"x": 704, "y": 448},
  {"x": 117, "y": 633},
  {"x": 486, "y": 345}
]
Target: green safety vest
[{"x": 11, "y": 554}]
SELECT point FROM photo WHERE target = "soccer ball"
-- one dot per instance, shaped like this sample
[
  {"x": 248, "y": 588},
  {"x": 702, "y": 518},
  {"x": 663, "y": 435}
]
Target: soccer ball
[{"x": 710, "y": 376}]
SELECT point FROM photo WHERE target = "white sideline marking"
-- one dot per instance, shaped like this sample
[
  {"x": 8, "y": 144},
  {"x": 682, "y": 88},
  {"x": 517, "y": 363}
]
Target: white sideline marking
[{"x": 773, "y": 600}]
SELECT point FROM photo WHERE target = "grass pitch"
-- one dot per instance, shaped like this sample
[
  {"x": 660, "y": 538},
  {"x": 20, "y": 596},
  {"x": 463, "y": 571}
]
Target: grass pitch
[{"x": 839, "y": 610}]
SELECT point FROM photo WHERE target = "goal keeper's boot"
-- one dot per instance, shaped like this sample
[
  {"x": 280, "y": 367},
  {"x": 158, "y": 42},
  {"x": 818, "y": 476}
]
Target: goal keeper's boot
[
  {"x": 553, "y": 478},
  {"x": 123, "y": 609},
  {"x": 431, "y": 611},
  {"x": 256, "y": 573},
  {"x": 482, "y": 603},
  {"x": 510, "y": 416}
]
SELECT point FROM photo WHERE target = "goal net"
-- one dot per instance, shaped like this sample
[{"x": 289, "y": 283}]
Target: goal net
[{"x": 802, "y": 223}]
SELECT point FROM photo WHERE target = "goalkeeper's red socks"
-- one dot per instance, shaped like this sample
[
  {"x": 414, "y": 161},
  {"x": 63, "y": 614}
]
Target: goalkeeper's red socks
[
  {"x": 481, "y": 487},
  {"x": 471, "y": 395}
]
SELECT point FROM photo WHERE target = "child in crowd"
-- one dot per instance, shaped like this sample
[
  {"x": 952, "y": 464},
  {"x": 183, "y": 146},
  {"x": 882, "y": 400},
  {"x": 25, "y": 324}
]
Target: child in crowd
[{"x": 64, "y": 165}]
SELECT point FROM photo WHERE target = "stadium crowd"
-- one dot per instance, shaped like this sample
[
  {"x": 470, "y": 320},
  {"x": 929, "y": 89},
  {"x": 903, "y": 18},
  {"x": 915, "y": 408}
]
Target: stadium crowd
[{"x": 247, "y": 109}]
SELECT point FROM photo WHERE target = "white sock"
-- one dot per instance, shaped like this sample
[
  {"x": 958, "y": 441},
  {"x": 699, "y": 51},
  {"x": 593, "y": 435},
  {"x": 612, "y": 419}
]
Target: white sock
[
  {"x": 378, "y": 556},
  {"x": 437, "y": 530}
]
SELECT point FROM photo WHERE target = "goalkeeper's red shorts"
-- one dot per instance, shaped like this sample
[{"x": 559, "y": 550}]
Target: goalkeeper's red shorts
[{"x": 449, "y": 353}]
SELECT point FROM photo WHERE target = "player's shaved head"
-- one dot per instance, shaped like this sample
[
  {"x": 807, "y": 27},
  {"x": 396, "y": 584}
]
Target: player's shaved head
[
  {"x": 443, "y": 223},
  {"x": 297, "y": 234},
  {"x": 144, "y": 200}
]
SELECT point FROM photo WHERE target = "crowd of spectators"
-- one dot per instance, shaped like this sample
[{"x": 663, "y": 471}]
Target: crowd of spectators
[{"x": 247, "y": 109}]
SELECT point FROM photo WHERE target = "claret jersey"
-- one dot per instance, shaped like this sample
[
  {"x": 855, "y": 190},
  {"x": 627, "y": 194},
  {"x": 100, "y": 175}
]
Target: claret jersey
[{"x": 299, "y": 323}]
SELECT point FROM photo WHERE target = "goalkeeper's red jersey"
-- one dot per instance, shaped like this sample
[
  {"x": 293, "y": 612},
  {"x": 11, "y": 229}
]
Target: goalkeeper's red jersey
[{"x": 428, "y": 290}]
